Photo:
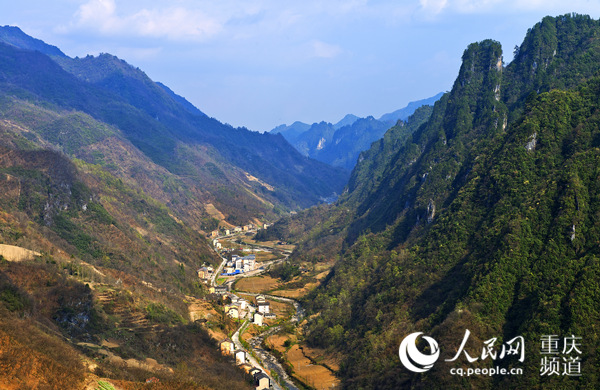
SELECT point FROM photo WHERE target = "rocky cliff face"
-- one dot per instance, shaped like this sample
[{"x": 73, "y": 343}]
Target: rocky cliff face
[{"x": 483, "y": 219}]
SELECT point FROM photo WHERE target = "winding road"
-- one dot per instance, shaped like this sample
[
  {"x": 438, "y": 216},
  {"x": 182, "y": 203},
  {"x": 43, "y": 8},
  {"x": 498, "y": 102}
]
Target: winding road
[{"x": 269, "y": 362}]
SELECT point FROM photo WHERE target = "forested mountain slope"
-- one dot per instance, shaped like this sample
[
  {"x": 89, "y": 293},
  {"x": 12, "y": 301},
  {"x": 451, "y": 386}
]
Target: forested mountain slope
[
  {"x": 213, "y": 157},
  {"x": 485, "y": 218}
]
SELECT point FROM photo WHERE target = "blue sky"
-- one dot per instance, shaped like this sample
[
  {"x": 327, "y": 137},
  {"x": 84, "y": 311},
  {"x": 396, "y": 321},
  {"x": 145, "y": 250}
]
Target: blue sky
[{"x": 261, "y": 63}]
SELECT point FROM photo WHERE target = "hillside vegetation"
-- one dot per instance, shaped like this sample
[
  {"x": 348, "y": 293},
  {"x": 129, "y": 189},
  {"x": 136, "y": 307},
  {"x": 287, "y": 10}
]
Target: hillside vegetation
[
  {"x": 113, "y": 182},
  {"x": 484, "y": 218}
]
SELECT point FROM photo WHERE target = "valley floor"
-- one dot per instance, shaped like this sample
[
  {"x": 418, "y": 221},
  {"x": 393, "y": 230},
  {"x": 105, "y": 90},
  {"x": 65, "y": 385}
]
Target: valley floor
[{"x": 280, "y": 345}]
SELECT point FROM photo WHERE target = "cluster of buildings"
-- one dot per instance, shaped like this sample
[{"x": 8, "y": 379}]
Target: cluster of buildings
[
  {"x": 262, "y": 311},
  {"x": 236, "y": 229},
  {"x": 240, "y": 308},
  {"x": 261, "y": 380},
  {"x": 235, "y": 266},
  {"x": 239, "y": 264}
]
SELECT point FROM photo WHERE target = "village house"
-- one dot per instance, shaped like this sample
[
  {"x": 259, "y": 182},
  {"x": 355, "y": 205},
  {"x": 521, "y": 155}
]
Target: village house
[
  {"x": 204, "y": 273},
  {"x": 270, "y": 316},
  {"x": 239, "y": 263},
  {"x": 263, "y": 307},
  {"x": 262, "y": 381},
  {"x": 227, "y": 347},
  {"x": 237, "y": 229},
  {"x": 221, "y": 290},
  {"x": 249, "y": 263},
  {"x": 260, "y": 298},
  {"x": 234, "y": 309},
  {"x": 250, "y": 260},
  {"x": 240, "y": 356},
  {"x": 258, "y": 319},
  {"x": 233, "y": 312},
  {"x": 214, "y": 234},
  {"x": 241, "y": 303},
  {"x": 227, "y": 232}
]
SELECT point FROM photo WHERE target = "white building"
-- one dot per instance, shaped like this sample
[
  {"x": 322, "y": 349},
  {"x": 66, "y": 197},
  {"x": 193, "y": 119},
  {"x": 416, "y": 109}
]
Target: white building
[
  {"x": 258, "y": 319},
  {"x": 245, "y": 264},
  {"x": 262, "y": 381},
  {"x": 249, "y": 263},
  {"x": 234, "y": 312},
  {"x": 240, "y": 356},
  {"x": 263, "y": 307}
]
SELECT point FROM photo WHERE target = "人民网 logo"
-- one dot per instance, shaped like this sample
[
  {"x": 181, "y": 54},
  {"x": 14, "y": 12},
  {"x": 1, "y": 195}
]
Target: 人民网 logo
[{"x": 415, "y": 360}]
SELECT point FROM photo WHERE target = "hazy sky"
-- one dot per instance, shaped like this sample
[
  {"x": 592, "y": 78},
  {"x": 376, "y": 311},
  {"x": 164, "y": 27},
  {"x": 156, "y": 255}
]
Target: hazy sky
[{"x": 261, "y": 63}]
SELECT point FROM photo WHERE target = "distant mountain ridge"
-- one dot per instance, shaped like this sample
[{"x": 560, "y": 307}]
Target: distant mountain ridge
[
  {"x": 14, "y": 36},
  {"x": 169, "y": 130},
  {"x": 341, "y": 143},
  {"x": 347, "y": 120},
  {"x": 181, "y": 100},
  {"x": 291, "y": 132},
  {"x": 404, "y": 113}
]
